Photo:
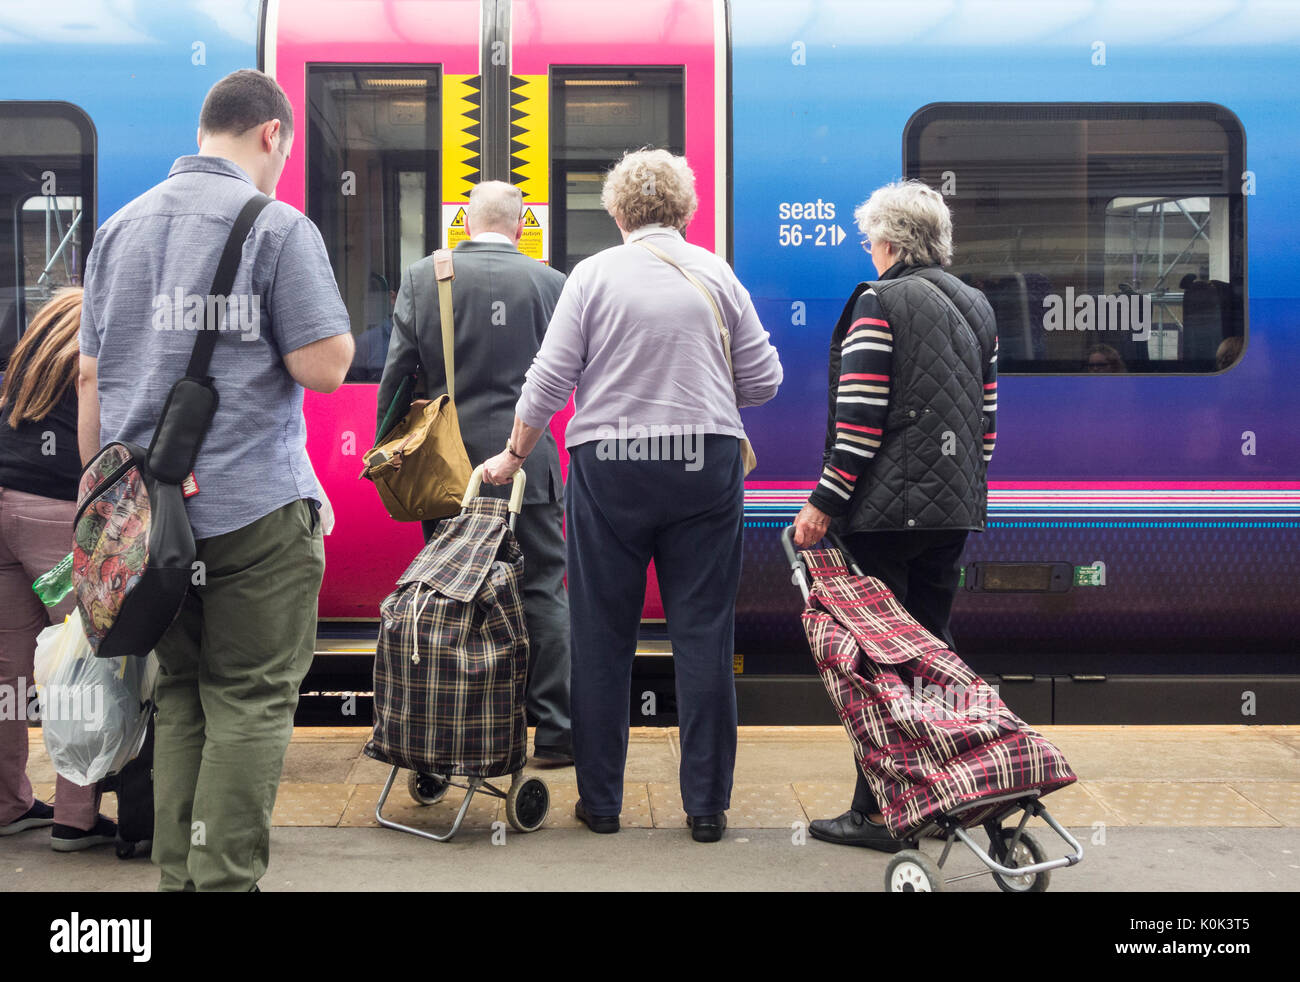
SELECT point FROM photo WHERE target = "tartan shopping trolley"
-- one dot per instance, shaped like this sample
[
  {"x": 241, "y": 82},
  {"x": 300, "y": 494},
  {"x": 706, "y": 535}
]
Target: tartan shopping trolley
[
  {"x": 451, "y": 668},
  {"x": 940, "y": 750}
]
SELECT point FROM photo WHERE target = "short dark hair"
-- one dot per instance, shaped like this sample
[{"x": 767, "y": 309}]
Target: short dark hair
[{"x": 245, "y": 99}]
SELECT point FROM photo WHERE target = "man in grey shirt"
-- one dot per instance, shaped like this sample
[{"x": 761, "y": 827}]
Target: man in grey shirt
[
  {"x": 501, "y": 303},
  {"x": 231, "y": 663}
]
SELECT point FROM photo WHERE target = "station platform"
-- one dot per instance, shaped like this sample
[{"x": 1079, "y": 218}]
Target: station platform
[{"x": 1156, "y": 808}]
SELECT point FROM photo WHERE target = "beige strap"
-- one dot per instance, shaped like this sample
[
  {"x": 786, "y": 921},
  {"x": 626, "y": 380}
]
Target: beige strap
[
  {"x": 446, "y": 272},
  {"x": 717, "y": 313}
]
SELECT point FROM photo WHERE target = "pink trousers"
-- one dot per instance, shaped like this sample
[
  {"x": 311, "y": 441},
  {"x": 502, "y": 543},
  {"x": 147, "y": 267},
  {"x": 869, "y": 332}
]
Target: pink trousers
[{"x": 35, "y": 534}]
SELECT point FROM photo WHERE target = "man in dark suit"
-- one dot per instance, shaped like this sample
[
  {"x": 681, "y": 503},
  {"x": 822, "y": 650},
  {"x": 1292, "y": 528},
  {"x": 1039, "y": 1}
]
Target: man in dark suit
[{"x": 501, "y": 303}]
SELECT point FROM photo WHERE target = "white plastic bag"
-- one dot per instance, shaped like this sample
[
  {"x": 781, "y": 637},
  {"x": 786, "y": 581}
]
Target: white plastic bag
[{"x": 94, "y": 711}]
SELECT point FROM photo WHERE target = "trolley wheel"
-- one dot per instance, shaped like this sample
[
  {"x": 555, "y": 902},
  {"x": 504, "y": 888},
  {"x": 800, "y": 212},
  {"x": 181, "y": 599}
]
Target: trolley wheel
[
  {"x": 911, "y": 871},
  {"x": 426, "y": 789},
  {"x": 1028, "y": 852},
  {"x": 129, "y": 850},
  {"x": 528, "y": 804}
]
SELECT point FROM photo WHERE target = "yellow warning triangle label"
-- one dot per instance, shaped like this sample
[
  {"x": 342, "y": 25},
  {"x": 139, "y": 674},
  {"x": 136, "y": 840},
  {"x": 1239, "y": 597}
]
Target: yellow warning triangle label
[
  {"x": 459, "y": 220},
  {"x": 530, "y": 220}
]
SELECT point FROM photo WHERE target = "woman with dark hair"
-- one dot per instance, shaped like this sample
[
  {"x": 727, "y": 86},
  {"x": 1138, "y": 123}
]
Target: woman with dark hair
[{"x": 39, "y": 469}]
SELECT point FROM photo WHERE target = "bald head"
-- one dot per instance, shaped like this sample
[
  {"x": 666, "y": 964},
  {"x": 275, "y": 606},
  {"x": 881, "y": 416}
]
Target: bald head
[{"x": 495, "y": 206}]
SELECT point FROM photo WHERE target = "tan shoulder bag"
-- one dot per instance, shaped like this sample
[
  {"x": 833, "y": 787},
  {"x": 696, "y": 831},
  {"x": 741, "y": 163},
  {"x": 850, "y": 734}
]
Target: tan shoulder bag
[
  {"x": 747, "y": 457},
  {"x": 420, "y": 467}
]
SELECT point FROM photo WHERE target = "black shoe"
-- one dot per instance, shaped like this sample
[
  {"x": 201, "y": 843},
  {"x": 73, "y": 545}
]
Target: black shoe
[
  {"x": 558, "y": 754},
  {"x": 853, "y": 828},
  {"x": 603, "y": 824},
  {"x": 707, "y": 828},
  {"x": 65, "y": 838},
  {"x": 37, "y": 817}
]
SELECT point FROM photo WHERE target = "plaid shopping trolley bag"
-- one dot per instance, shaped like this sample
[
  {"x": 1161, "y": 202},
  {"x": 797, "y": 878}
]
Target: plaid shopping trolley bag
[
  {"x": 932, "y": 738},
  {"x": 451, "y": 665}
]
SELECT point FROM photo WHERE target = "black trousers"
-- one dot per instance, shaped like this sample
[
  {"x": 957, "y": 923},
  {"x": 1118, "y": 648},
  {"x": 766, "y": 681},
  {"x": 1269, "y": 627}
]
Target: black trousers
[{"x": 922, "y": 570}]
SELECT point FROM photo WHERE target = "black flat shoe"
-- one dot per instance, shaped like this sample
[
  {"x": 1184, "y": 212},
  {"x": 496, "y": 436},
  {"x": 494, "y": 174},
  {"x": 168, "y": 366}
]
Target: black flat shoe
[
  {"x": 855, "y": 829},
  {"x": 602, "y": 824},
  {"x": 65, "y": 838},
  {"x": 707, "y": 828},
  {"x": 39, "y": 816}
]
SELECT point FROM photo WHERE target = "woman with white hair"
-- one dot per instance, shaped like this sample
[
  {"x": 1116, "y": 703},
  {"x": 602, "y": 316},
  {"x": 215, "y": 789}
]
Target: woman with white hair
[
  {"x": 913, "y": 394},
  {"x": 655, "y": 472}
]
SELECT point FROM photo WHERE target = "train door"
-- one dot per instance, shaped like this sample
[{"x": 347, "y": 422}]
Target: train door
[
  {"x": 652, "y": 75},
  {"x": 370, "y": 82},
  {"x": 401, "y": 108}
]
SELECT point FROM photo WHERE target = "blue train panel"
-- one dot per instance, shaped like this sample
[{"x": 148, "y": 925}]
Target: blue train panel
[{"x": 1169, "y": 477}]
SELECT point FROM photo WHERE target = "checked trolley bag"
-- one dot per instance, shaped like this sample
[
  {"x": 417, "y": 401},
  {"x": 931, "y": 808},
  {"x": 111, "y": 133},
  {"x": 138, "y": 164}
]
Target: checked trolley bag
[
  {"x": 451, "y": 667},
  {"x": 932, "y": 738}
]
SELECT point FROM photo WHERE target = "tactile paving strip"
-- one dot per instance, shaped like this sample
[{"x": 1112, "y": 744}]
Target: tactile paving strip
[
  {"x": 1179, "y": 804},
  {"x": 311, "y": 804},
  {"x": 1280, "y": 799},
  {"x": 328, "y": 781}
]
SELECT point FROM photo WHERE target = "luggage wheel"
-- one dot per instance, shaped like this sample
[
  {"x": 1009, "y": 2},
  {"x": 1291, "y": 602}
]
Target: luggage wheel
[
  {"x": 426, "y": 789},
  {"x": 912, "y": 871},
  {"x": 129, "y": 850},
  {"x": 1027, "y": 852},
  {"x": 527, "y": 803}
]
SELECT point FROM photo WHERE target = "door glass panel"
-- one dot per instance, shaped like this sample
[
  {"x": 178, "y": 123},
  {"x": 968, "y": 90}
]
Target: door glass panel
[
  {"x": 597, "y": 114},
  {"x": 372, "y": 179}
]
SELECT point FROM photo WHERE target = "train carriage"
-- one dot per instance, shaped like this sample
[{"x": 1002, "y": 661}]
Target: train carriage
[{"x": 1143, "y": 527}]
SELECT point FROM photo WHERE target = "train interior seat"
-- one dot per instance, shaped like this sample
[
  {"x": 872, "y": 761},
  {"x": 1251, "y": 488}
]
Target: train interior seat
[{"x": 1206, "y": 310}]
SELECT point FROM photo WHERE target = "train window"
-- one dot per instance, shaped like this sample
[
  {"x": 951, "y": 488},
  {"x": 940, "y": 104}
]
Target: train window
[
  {"x": 596, "y": 115},
  {"x": 1108, "y": 237},
  {"x": 47, "y": 215},
  {"x": 373, "y": 188}
]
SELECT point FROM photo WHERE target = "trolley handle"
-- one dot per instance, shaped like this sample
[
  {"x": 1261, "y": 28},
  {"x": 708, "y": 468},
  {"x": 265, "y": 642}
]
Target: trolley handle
[
  {"x": 800, "y": 576},
  {"x": 518, "y": 482}
]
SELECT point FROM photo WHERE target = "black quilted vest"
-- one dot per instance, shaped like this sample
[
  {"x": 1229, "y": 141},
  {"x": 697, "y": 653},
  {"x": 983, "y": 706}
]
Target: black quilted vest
[{"x": 929, "y": 472}]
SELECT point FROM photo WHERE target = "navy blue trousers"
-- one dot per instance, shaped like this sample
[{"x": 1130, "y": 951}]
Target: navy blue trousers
[{"x": 620, "y": 514}]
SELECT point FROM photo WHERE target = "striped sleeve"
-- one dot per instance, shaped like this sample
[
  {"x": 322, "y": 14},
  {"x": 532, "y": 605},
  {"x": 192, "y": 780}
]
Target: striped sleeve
[
  {"x": 861, "y": 404},
  {"x": 991, "y": 403}
]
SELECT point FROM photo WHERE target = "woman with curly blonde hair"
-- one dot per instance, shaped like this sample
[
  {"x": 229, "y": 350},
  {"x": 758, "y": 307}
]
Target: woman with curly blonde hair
[
  {"x": 39, "y": 469},
  {"x": 655, "y": 472}
]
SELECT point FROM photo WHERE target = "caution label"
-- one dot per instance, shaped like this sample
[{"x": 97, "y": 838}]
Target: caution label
[
  {"x": 453, "y": 223},
  {"x": 537, "y": 227},
  {"x": 530, "y": 160}
]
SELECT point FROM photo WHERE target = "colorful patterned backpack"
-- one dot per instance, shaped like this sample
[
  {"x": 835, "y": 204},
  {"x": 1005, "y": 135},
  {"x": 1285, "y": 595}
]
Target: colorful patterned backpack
[{"x": 133, "y": 548}]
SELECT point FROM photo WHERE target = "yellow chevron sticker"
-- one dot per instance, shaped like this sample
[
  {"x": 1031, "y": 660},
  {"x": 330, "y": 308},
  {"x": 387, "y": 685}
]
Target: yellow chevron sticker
[
  {"x": 530, "y": 159},
  {"x": 462, "y": 135}
]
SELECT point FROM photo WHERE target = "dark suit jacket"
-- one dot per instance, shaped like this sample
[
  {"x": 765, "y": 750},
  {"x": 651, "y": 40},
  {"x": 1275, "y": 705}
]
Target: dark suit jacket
[{"x": 501, "y": 303}]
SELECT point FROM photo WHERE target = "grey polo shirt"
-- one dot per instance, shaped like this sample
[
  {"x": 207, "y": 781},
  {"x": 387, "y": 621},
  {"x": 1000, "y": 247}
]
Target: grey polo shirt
[{"x": 150, "y": 267}]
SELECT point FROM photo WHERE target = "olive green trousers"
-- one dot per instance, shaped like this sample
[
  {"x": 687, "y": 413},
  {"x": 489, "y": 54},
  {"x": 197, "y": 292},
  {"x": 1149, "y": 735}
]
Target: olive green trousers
[{"x": 229, "y": 671}]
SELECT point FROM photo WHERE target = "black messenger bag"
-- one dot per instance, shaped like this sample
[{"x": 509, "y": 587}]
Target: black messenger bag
[{"x": 133, "y": 547}]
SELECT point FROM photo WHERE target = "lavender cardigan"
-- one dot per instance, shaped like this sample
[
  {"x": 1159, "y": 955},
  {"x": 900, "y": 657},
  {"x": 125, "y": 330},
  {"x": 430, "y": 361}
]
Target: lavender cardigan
[{"x": 641, "y": 346}]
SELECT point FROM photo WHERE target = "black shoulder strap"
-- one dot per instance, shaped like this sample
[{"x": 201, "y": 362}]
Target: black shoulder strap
[{"x": 222, "y": 283}]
